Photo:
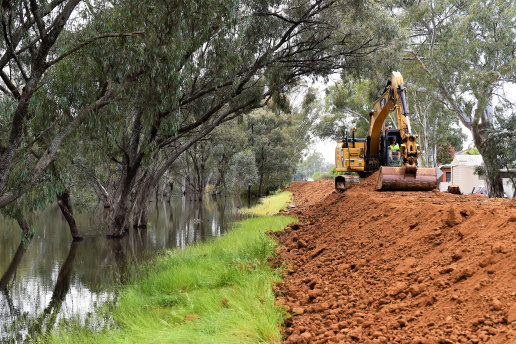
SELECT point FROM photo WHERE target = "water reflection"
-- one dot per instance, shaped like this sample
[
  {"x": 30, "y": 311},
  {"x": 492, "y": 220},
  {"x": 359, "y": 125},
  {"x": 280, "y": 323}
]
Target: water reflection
[
  {"x": 7, "y": 277},
  {"x": 49, "y": 315},
  {"x": 55, "y": 278}
]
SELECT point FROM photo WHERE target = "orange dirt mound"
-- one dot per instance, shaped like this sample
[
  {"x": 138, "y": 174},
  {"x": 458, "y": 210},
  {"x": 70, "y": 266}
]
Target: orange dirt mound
[
  {"x": 398, "y": 267},
  {"x": 309, "y": 193}
]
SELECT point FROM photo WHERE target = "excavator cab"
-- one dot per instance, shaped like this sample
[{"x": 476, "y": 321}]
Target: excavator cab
[
  {"x": 393, "y": 175},
  {"x": 390, "y": 144}
]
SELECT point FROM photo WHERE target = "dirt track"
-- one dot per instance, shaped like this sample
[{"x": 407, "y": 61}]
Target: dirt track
[{"x": 398, "y": 267}]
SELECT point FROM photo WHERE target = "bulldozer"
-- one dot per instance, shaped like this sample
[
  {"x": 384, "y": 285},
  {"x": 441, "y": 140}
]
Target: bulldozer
[{"x": 392, "y": 151}]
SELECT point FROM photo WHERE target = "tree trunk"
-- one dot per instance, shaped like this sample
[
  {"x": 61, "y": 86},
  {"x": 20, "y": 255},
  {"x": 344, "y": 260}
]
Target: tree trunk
[
  {"x": 63, "y": 200},
  {"x": 171, "y": 186},
  {"x": 260, "y": 185},
  {"x": 27, "y": 234},
  {"x": 142, "y": 209},
  {"x": 434, "y": 155},
  {"x": 494, "y": 182},
  {"x": 249, "y": 196},
  {"x": 121, "y": 215}
]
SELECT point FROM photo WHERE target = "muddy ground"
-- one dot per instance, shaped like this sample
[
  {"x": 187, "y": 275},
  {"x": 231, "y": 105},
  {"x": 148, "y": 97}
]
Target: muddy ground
[{"x": 398, "y": 267}]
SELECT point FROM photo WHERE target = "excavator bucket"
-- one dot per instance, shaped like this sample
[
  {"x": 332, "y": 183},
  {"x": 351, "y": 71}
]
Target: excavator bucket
[{"x": 399, "y": 178}]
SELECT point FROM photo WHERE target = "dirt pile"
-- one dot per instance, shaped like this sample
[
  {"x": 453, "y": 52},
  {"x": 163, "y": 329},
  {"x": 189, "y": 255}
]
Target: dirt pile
[
  {"x": 310, "y": 193},
  {"x": 398, "y": 267}
]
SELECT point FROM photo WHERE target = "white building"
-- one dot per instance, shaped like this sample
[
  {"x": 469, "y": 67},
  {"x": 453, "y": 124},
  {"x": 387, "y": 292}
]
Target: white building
[{"x": 463, "y": 174}]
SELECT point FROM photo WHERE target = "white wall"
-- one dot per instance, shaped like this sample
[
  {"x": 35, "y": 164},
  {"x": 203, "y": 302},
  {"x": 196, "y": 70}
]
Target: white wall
[
  {"x": 508, "y": 188},
  {"x": 465, "y": 178}
]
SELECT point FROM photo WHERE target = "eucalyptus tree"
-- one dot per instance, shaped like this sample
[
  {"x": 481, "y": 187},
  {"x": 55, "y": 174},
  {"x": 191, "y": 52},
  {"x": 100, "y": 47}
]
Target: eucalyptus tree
[
  {"x": 243, "y": 172},
  {"x": 208, "y": 162},
  {"x": 277, "y": 141},
  {"x": 202, "y": 64},
  {"x": 438, "y": 129},
  {"x": 467, "y": 51},
  {"x": 346, "y": 105},
  {"x": 29, "y": 31},
  {"x": 31, "y": 46},
  {"x": 502, "y": 148},
  {"x": 229, "y": 139}
]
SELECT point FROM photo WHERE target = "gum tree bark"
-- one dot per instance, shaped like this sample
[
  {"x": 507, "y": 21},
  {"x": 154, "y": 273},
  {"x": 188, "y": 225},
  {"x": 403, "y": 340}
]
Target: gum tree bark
[{"x": 65, "y": 204}]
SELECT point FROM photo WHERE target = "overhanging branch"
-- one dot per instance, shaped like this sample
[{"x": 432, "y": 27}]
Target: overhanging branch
[
  {"x": 91, "y": 40},
  {"x": 464, "y": 118}
]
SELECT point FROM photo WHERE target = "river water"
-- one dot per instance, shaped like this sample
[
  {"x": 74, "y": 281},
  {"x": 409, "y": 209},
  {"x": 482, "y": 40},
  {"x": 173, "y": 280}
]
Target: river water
[{"x": 53, "y": 278}]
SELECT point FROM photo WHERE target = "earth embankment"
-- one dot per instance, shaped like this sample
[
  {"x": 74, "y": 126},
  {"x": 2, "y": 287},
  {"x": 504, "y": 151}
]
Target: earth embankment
[{"x": 398, "y": 267}]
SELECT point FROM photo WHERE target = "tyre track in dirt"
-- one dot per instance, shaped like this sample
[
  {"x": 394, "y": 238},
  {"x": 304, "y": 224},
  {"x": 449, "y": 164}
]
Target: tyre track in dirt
[{"x": 398, "y": 267}]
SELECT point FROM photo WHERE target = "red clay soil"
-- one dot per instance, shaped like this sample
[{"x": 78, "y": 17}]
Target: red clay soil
[{"x": 398, "y": 267}]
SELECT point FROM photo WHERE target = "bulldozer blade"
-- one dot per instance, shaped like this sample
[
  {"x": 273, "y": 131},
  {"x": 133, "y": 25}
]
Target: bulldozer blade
[{"x": 398, "y": 178}]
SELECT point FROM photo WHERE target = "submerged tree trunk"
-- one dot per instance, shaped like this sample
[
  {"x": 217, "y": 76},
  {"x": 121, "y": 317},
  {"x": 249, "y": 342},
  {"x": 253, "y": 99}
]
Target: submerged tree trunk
[
  {"x": 120, "y": 223},
  {"x": 63, "y": 200},
  {"x": 171, "y": 187},
  {"x": 141, "y": 209}
]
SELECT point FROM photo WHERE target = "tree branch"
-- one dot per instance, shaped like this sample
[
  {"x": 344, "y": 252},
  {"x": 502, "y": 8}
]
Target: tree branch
[
  {"x": 51, "y": 152},
  {"x": 464, "y": 118},
  {"x": 91, "y": 40}
]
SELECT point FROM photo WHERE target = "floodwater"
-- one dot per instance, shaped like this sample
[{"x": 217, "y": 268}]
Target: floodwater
[{"x": 54, "y": 278}]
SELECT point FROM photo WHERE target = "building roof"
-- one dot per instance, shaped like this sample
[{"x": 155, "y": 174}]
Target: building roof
[{"x": 467, "y": 160}]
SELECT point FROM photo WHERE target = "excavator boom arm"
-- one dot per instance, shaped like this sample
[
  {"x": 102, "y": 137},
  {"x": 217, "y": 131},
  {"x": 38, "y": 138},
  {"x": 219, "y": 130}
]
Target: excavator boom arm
[{"x": 394, "y": 98}]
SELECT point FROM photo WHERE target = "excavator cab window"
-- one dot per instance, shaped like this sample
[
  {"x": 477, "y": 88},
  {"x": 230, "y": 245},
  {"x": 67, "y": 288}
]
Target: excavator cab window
[{"x": 391, "y": 145}]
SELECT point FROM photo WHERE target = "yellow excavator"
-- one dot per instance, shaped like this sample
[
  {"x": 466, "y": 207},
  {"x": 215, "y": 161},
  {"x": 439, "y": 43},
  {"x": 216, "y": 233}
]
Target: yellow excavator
[{"x": 393, "y": 151}]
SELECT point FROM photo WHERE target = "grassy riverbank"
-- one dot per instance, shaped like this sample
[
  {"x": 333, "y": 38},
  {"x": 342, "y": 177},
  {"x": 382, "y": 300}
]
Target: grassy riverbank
[
  {"x": 269, "y": 205},
  {"x": 214, "y": 292}
]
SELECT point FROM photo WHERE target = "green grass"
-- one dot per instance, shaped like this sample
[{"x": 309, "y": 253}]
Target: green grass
[
  {"x": 269, "y": 205},
  {"x": 214, "y": 292}
]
